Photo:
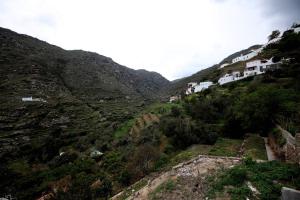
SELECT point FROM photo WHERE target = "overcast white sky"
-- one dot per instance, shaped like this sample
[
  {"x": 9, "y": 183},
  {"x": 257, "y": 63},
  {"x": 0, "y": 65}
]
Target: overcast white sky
[{"x": 173, "y": 37}]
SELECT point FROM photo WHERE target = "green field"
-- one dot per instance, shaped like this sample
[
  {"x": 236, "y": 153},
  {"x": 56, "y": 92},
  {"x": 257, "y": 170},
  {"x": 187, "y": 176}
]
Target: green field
[
  {"x": 255, "y": 148},
  {"x": 226, "y": 147}
]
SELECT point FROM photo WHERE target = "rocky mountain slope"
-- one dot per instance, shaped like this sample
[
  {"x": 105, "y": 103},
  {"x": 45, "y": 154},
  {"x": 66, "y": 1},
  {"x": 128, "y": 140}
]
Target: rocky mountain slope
[
  {"x": 41, "y": 69},
  {"x": 82, "y": 93}
]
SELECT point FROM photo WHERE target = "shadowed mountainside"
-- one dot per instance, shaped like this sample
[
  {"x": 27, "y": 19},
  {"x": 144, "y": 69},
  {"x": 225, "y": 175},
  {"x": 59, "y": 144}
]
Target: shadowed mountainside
[{"x": 86, "y": 95}]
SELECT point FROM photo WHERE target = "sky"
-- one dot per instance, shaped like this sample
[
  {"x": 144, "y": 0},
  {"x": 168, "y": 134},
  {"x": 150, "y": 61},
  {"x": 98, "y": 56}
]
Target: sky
[{"x": 175, "y": 38}]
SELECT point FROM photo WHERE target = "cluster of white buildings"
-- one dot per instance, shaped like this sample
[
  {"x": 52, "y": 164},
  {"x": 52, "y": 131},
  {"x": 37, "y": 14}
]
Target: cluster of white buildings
[
  {"x": 193, "y": 87},
  {"x": 255, "y": 52},
  {"x": 252, "y": 68},
  {"x": 248, "y": 56}
]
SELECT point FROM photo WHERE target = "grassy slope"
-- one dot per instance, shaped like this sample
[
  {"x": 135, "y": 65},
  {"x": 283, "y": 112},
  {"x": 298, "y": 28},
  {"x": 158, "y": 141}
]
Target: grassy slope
[
  {"x": 226, "y": 147},
  {"x": 255, "y": 147}
]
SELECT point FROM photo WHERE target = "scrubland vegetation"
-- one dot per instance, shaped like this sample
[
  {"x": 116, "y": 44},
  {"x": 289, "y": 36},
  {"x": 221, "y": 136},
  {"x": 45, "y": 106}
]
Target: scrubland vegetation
[{"x": 213, "y": 122}]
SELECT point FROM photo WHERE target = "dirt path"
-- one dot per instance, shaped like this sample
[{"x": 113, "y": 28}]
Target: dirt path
[{"x": 198, "y": 167}]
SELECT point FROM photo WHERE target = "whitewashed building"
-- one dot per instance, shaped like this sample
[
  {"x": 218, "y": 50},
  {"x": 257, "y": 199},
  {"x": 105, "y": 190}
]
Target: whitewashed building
[
  {"x": 190, "y": 89},
  {"x": 223, "y": 65},
  {"x": 27, "y": 99},
  {"x": 33, "y": 99},
  {"x": 174, "y": 98},
  {"x": 253, "y": 68},
  {"x": 203, "y": 86},
  {"x": 248, "y": 56},
  {"x": 195, "y": 87},
  {"x": 227, "y": 78},
  {"x": 296, "y": 30},
  {"x": 257, "y": 67}
]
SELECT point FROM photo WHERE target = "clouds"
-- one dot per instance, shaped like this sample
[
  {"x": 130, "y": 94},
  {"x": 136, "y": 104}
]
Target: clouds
[{"x": 173, "y": 37}]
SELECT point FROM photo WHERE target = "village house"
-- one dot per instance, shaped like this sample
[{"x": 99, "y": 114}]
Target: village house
[
  {"x": 33, "y": 99},
  {"x": 202, "y": 86},
  {"x": 190, "y": 89},
  {"x": 253, "y": 68},
  {"x": 194, "y": 87},
  {"x": 296, "y": 30},
  {"x": 257, "y": 67},
  {"x": 175, "y": 98},
  {"x": 227, "y": 78},
  {"x": 223, "y": 65},
  {"x": 248, "y": 56}
]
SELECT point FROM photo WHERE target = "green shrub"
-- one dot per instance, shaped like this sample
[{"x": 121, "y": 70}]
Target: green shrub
[
  {"x": 280, "y": 140},
  {"x": 124, "y": 178},
  {"x": 161, "y": 162},
  {"x": 266, "y": 177}
]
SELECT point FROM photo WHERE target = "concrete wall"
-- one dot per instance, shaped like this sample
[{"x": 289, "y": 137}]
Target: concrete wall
[{"x": 289, "y": 194}]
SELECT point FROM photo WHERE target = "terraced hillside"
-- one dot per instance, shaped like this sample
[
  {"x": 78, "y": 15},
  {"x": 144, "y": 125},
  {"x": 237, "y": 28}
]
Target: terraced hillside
[
  {"x": 142, "y": 123},
  {"x": 82, "y": 98}
]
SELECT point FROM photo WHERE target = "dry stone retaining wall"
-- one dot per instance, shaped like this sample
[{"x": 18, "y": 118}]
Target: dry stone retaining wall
[{"x": 290, "y": 151}]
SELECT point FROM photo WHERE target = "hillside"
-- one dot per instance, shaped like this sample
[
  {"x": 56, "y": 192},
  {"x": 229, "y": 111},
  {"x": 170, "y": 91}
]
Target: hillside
[
  {"x": 235, "y": 121},
  {"x": 85, "y": 97},
  {"x": 96, "y": 128},
  {"x": 88, "y": 76},
  {"x": 211, "y": 73}
]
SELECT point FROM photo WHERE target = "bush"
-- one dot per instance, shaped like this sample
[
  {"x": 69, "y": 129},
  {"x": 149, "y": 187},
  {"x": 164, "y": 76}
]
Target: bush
[
  {"x": 280, "y": 140},
  {"x": 161, "y": 162},
  {"x": 236, "y": 176},
  {"x": 184, "y": 132},
  {"x": 175, "y": 111},
  {"x": 124, "y": 178}
]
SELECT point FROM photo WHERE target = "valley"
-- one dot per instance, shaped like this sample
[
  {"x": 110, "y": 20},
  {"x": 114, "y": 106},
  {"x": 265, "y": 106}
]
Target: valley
[{"x": 77, "y": 125}]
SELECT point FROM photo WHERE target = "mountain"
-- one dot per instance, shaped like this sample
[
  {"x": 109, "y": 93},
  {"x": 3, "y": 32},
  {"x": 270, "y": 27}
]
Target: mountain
[
  {"x": 86, "y": 75},
  {"x": 83, "y": 94}
]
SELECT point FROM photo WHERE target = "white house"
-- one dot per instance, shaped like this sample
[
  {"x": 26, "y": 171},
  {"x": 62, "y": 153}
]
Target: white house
[
  {"x": 253, "y": 68},
  {"x": 96, "y": 154},
  {"x": 194, "y": 87},
  {"x": 33, "y": 99},
  {"x": 190, "y": 89},
  {"x": 257, "y": 67},
  {"x": 248, "y": 56},
  {"x": 223, "y": 65},
  {"x": 296, "y": 30},
  {"x": 27, "y": 99},
  {"x": 202, "y": 86},
  {"x": 174, "y": 98},
  {"x": 227, "y": 78}
]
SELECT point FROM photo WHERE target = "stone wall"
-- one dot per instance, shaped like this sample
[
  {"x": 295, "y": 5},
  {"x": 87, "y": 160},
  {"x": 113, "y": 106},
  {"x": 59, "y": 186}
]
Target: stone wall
[
  {"x": 290, "y": 151},
  {"x": 297, "y": 138}
]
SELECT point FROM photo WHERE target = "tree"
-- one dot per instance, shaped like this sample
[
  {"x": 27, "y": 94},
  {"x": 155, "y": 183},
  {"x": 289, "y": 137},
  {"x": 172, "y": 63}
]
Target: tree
[
  {"x": 143, "y": 159},
  {"x": 274, "y": 34}
]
